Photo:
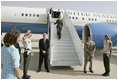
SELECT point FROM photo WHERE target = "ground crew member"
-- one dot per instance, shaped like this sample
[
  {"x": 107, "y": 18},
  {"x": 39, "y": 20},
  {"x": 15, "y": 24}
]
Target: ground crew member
[
  {"x": 27, "y": 53},
  {"x": 89, "y": 53},
  {"x": 107, "y": 51}
]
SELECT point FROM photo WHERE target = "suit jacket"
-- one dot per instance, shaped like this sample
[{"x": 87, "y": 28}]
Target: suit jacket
[
  {"x": 59, "y": 23},
  {"x": 44, "y": 47}
]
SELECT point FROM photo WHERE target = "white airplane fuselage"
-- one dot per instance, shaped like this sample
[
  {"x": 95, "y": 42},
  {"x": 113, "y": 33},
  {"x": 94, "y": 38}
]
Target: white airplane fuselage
[
  {"x": 36, "y": 19},
  {"x": 24, "y": 15}
]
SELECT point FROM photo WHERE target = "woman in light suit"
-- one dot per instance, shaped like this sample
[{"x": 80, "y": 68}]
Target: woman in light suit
[{"x": 10, "y": 57}]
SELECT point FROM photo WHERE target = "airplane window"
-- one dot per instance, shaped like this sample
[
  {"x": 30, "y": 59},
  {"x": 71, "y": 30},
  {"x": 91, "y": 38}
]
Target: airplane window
[
  {"x": 82, "y": 14},
  {"x": 95, "y": 19},
  {"x": 78, "y": 13},
  {"x": 33, "y": 15},
  {"x": 82, "y": 18},
  {"x": 86, "y": 14},
  {"x": 25, "y": 14},
  {"x": 74, "y": 13},
  {"x": 89, "y": 19},
  {"x": 30, "y": 15},
  {"x": 22, "y": 14},
  {"x": 92, "y": 19},
  {"x": 112, "y": 20},
  {"x": 107, "y": 21},
  {"x": 70, "y": 17},
  {"x": 73, "y": 17},
  {"x": 37, "y": 15},
  {"x": 107, "y": 16},
  {"x": 76, "y": 17}
]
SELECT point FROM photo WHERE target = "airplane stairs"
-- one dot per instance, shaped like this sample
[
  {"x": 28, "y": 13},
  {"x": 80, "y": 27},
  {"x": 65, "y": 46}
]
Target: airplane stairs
[{"x": 68, "y": 50}]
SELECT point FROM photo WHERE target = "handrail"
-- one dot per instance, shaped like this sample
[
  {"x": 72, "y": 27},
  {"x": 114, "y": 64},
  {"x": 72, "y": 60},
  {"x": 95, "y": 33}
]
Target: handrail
[
  {"x": 50, "y": 36},
  {"x": 76, "y": 40}
]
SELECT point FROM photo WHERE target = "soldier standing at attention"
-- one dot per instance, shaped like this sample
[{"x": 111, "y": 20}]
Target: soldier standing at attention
[
  {"x": 107, "y": 54},
  {"x": 27, "y": 53},
  {"x": 89, "y": 53}
]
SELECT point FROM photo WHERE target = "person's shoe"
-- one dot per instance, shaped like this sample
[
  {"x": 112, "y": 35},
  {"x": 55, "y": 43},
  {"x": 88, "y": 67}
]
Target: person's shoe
[
  {"x": 28, "y": 76},
  {"x": 47, "y": 71},
  {"x": 91, "y": 71},
  {"x": 38, "y": 70},
  {"x": 104, "y": 73},
  {"x": 25, "y": 77},
  {"x": 107, "y": 74},
  {"x": 85, "y": 72}
]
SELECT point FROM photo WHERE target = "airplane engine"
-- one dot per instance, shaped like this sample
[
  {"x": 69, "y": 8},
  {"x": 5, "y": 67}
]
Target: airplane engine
[{"x": 98, "y": 31}]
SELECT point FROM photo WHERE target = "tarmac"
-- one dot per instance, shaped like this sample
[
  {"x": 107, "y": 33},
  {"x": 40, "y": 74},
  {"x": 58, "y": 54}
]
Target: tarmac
[{"x": 68, "y": 72}]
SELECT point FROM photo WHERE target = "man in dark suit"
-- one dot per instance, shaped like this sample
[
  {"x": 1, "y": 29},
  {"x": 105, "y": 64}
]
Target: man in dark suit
[{"x": 43, "y": 55}]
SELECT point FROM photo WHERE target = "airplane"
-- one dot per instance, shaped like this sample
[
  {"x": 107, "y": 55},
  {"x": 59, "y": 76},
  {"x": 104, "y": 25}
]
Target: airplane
[{"x": 36, "y": 19}]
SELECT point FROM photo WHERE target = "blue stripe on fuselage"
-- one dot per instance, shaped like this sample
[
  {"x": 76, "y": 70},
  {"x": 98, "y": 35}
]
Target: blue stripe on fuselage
[{"x": 35, "y": 28}]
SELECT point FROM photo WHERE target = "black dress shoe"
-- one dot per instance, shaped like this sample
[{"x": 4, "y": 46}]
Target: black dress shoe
[
  {"x": 26, "y": 77},
  {"x": 107, "y": 74},
  {"x": 91, "y": 71},
  {"x": 85, "y": 72},
  {"x": 47, "y": 71},
  {"x": 104, "y": 73},
  {"x": 38, "y": 70}
]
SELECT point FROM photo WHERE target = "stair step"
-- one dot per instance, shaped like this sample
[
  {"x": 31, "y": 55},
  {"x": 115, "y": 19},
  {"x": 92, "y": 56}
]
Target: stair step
[
  {"x": 62, "y": 47},
  {"x": 62, "y": 39},
  {"x": 62, "y": 42},
  {"x": 63, "y": 50},
  {"x": 61, "y": 54},
  {"x": 54, "y": 63},
  {"x": 62, "y": 36},
  {"x": 65, "y": 58}
]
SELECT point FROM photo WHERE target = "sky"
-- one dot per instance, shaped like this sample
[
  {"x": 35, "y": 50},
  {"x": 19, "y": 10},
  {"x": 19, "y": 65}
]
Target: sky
[{"x": 103, "y": 7}]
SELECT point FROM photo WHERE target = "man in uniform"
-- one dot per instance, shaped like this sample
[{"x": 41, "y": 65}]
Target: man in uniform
[
  {"x": 107, "y": 54},
  {"x": 89, "y": 53},
  {"x": 43, "y": 55},
  {"x": 27, "y": 53}
]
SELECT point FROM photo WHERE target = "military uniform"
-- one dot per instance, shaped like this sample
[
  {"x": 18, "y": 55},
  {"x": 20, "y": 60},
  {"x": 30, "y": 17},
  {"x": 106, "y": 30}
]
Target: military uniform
[
  {"x": 89, "y": 46},
  {"x": 106, "y": 60},
  {"x": 27, "y": 54}
]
